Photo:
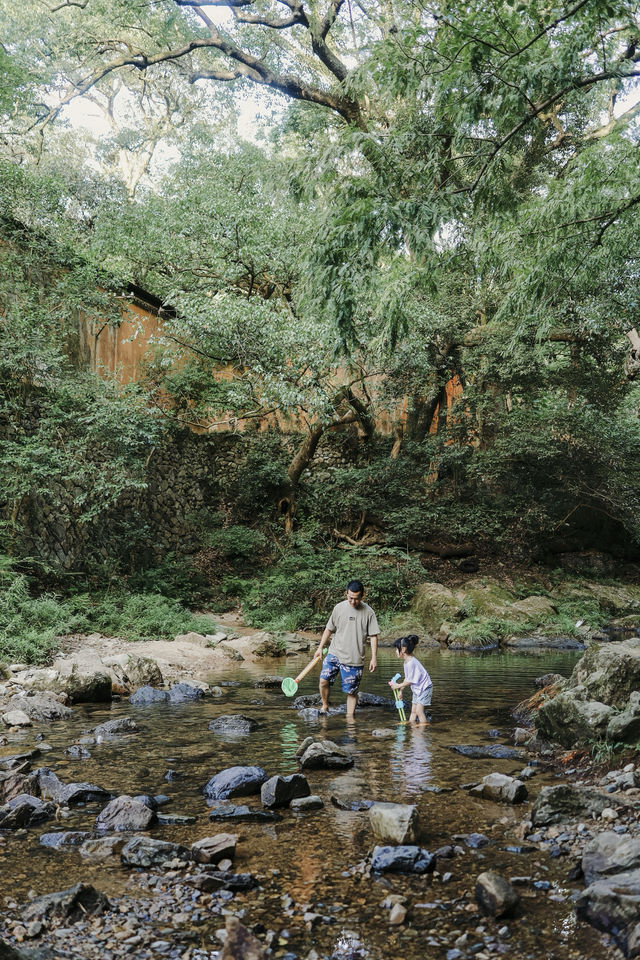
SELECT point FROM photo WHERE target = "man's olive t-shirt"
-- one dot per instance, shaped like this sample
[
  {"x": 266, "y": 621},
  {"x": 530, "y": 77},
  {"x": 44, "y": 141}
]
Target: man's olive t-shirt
[{"x": 350, "y": 627}]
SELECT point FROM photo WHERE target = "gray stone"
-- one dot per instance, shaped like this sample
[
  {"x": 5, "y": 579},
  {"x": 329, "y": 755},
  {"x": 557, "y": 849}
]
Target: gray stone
[
  {"x": 566, "y": 802},
  {"x": 143, "y": 671},
  {"x": 124, "y": 813},
  {"x": 61, "y": 840},
  {"x": 147, "y": 695},
  {"x": 394, "y": 822},
  {"x": 613, "y": 905},
  {"x": 610, "y": 853},
  {"x": 75, "y": 903},
  {"x": 17, "y": 718},
  {"x": 185, "y": 693},
  {"x": 402, "y": 859},
  {"x": 148, "y": 852},
  {"x": 25, "y": 811},
  {"x": 624, "y": 727},
  {"x": 312, "y": 802},
  {"x": 610, "y": 672},
  {"x": 215, "y": 849},
  {"x": 325, "y": 755},
  {"x": 41, "y": 708},
  {"x": 113, "y": 728},
  {"x": 97, "y": 849},
  {"x": 52, "y": 787},
  {"x": 240, "y": 942},
  {"x": 492, "y": 751},
  {"x": 235, "y": 782},
  {"x": 569, "y": 718},
  {"x": 228, "y": 811},
  {"x": 499, "y": 787},
  {"x": 233, "y": 725},
  {"x": 495, "y": 895},
  {"x": 280, "y": 791}
]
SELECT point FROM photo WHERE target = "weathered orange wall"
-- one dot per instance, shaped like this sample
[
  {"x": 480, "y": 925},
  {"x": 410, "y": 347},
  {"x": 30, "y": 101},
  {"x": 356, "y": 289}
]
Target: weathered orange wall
[{"x": 121, "y": 350}]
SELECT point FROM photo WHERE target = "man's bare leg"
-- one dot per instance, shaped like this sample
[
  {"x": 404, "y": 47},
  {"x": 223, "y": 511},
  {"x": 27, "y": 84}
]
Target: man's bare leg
[
  {"x": 324, "y": 693},
  {"x": 352, "y": 703}
]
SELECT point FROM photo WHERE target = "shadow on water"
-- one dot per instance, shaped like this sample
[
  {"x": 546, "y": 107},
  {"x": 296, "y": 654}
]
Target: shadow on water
[{"x": 314, "y": 856}]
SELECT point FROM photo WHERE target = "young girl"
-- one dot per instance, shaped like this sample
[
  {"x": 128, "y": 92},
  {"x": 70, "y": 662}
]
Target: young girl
[{"x": 415, "y": 676}]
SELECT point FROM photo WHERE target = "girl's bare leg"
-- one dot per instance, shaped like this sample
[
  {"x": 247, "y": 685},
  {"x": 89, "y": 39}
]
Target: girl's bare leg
[{"x": 421, "y": 716}]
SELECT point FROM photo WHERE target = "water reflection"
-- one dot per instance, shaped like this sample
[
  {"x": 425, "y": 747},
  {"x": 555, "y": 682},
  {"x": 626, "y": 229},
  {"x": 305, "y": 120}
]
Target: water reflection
[{"x": 411, "y": 759}]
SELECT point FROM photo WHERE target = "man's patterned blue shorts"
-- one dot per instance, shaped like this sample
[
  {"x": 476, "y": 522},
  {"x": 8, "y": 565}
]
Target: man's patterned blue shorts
[{"x": 350, "y": 677}]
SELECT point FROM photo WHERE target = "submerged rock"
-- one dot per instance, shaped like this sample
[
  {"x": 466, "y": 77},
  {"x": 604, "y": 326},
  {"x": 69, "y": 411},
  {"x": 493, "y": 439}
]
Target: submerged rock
[
  {"x": 185, "y": 693},
  {"x": 402, "y": 859},
  {"x": 96, "y": 849},
  {"x": 147, "y": 695},
  {"x": 492, "y": 751},
  {"x": 150, "y": 852},
  {"x": 69, "y": 838},
  {"x": 233, "y": 725},
  {"x": 75, "y": 903},
  {"x": 113, "y": 728},
  {"x": 228, "y": 811},
  {"x": 25, "y": 811}
]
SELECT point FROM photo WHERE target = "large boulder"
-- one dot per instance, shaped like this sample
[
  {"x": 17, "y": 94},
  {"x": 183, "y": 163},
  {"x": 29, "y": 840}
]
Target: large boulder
[
  {"x": 538, "y": 610},
  {"x": 394, "y": 822},
  {"x": 566, "y": 802},
  {"x": 609, "y": 672},
  {"x": 571, "y": 717},
  {"x": 483, "y": 598},
  {"x": 143, "y": 671},
  {"x": 624, "y": 727},
  {"x": 610, "y": 853},
  {"x": 41, "y": 708},
  {"x": 83, "y": 677},
  {"x": 613, "y": 905},
  {"x": 147, "y": 695},
  {"x": 617, "y": 599},
  {"x": 235, "y": 782},
  {"x": 433, "y": 603},
  {"x": 16, "y": 718},
  {"x": 185, "y": 693}
]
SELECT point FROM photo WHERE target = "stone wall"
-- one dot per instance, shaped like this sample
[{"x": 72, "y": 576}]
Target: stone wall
[{"x": 188, "y": 477}]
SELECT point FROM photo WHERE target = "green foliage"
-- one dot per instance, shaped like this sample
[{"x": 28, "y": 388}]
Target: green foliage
[
  {"x": 236, "y": 542},
  {"x": 31, "y": 625},
  {"x": 302, "y": 586}
]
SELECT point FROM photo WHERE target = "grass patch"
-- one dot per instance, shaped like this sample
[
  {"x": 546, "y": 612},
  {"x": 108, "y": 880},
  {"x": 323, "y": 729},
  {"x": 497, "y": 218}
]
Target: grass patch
[{"x": 30, "y": 627}]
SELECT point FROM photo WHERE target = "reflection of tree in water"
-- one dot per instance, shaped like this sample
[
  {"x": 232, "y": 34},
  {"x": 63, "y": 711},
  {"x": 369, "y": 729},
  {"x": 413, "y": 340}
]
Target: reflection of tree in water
[
  {"x": 411, "y": 758},
  {"x": 290, "y": 742}
]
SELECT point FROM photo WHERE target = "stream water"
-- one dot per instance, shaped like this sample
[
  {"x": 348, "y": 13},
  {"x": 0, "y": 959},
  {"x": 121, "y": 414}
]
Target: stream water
[{"x": 310, "y": 856}]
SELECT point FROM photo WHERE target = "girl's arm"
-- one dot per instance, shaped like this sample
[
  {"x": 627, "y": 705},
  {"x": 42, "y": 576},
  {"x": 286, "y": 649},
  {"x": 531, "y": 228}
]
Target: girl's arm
[{"x": 399, "y": 686}]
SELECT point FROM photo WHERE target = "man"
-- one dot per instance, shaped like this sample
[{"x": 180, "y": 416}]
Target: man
[{"x": 349, "y": 625}]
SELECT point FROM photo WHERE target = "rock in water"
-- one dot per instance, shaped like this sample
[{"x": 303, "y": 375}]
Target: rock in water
[
  {"x": 394, "y": 822},
  {"x": 495, "y": 895},
  {"x": 235, "y": 782},
  {"x": 240, "y": 942}
]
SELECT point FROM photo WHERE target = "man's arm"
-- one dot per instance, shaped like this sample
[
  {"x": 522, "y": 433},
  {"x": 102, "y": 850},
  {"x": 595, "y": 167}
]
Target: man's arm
[
  {"x": 323, "y": 642},
  {"x": 373, "y": 662}
]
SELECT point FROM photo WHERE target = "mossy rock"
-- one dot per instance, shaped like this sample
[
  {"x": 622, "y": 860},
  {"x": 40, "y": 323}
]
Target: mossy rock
[
  {"x": 570, "y": 718},
  {"x": 537, "y": 609},
  {"x": 433, "y": 603},
  {"x": 483, "y": 599},
  {"x": 617, "y": 599},
  {"x": 610, "y": 672}
]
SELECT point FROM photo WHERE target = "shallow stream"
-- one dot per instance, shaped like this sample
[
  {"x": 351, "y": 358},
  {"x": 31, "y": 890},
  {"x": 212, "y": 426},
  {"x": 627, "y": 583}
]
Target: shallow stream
[{"x": 310, "y": 857}]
